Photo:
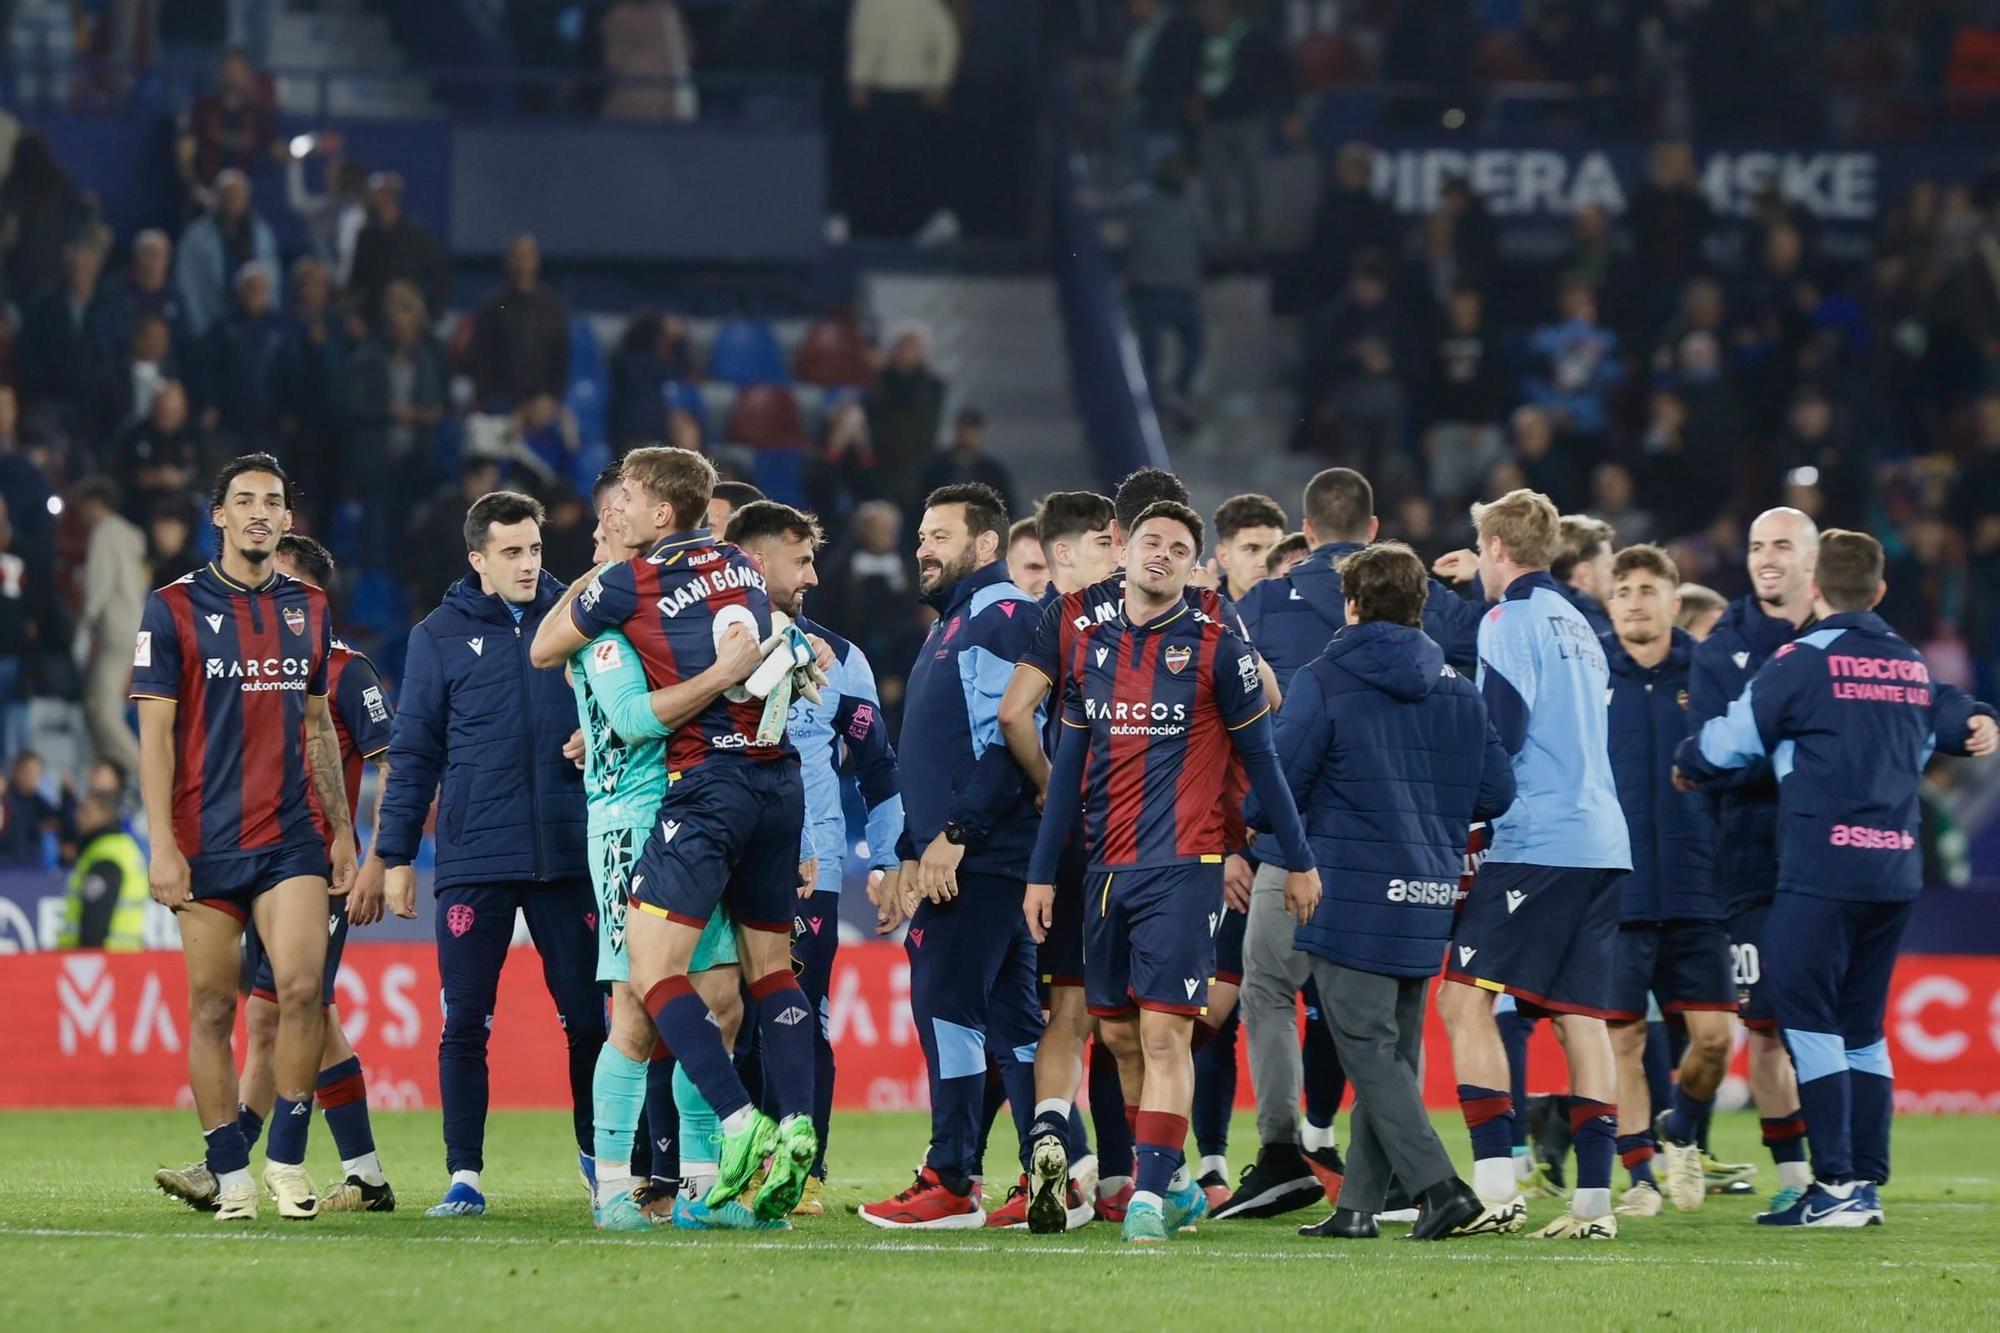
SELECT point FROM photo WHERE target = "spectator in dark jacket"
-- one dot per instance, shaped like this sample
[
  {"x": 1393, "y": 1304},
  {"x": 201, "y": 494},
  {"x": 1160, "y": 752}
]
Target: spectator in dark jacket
[
  {"x": 162, "y": 455},
  {"x": 966, "y": 460},
  {"x": 476, "y": 716},
  {"x": 1358, "y": 354},
  {"x": 307, "y": 374},
  {"x": 1392, "y": 758},
  {"x": 232, "y": 127},
  {"x": 520, "y": 337},
  {"x": 395, "y": 247},
  {"x": 41, "y": 213},
  {"x": 396, "y": 392},
  {"x": 240, "y": 397},
  {"x": 1162, "y": 64},
  {"x": 905, "y": 409},
  {"x": 429, "y": 546},
  {"x": 1246, "y": 84},
  {"x": 62, "y": 359},
  {"x": 144, "y": 288},
  {"x": 1465, "y": 397},
  {"x": 1672, "y": 944},
  {"x": 1348, "y": 220},
  {"x": 637, "y": 414}
]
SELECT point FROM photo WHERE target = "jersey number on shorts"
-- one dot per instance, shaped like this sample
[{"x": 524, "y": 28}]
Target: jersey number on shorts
[{"x": 1743, "y": 962}]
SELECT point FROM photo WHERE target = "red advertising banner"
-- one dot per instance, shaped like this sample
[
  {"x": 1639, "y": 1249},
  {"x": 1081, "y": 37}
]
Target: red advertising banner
[{"x": 91, "y": 1029}]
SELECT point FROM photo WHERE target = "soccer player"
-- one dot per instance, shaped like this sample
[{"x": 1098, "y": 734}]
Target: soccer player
[
  {"x": 483, "y": 733},
  {"x": 1027, "y": 561},
  {"x": 842, "y": 743},
  {"x": 1246, "y": 528},
  {"x": 1582, "y": 568},
  {"x": 1391, "y": 757},
  {"x": 1541, "y": 923},
  {"x": 1784, "y": 544},
  {"x": 1701, "y": 611},
  {"x": 696, "y": 612},
  {"x": 1290, "y": 619},
  {"x": 1671, "y": 942},
  {"x": 1848, "y": 715},
  {"x": 971, "y": 811},
  {"x": 230, "y": 673},
  {"x": 1157, "y": 700}
]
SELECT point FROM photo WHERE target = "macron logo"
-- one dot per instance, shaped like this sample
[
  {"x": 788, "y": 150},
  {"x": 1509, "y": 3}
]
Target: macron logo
[
  {"x": 214, "y": 623},
  {"x": 1295, "y": 596},
  {"x": 1742, "y": 660},
  {"x": 792, "y": 1017},
  {"x": 1102, "y": 653},
  {"x": 1465, "y": 955},
  {"x": 1192, "y": 982},
  {"x": 301, "y": 1108},
  {"x": 1514, "y": 899},
  {"x": 667, "y": 831},
  {"x": 478, "y": 646}
]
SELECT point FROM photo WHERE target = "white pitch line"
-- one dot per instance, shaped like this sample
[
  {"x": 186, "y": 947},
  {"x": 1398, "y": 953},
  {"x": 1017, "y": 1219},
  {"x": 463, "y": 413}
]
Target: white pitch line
[{"x": 1505, "y": 1253}]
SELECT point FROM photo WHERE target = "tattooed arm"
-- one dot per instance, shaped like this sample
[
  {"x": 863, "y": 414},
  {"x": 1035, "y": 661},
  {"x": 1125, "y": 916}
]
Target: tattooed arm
[{"x": 323, "y": 763}]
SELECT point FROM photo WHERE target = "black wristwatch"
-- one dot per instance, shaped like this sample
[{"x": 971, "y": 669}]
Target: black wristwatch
[{"x": 954, "y": 833}]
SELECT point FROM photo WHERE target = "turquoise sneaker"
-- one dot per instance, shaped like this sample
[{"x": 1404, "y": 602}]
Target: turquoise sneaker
[
  {"x": 1185, "y": 1207},
  {"x": 742, "y": 1153},
  {"x": 791, "y": 1165},
  {"x": 694, "y": 1215},
  {"x": 620, "y": 1213},
  {"x": 1144, "y": 1225},
  {"x": 1783, "y": 1200}
]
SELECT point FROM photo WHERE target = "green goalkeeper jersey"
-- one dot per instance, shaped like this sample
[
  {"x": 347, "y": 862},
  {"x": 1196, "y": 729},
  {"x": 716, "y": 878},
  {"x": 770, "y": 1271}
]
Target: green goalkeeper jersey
[{"x": 624, "y": 744}]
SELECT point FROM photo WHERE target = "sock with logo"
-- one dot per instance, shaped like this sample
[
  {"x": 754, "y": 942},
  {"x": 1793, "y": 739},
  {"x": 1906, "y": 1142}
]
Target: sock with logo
[
  {"x": 1215, "y": 1087},
  {"x": 1686, "y": 1117},
  {"x": 251, "y": 1123},
  {"x": 289, "y": 1122},
  {"x": 1593, "y": 1128},
  {"x": 1107, "y": 1113},
  {"x": 1636, "y": 1152},
  {"x": 1487, "y": 1113},
  {"x": 690, "y": 1033},
  {"x": 227, "y": 1155},
  {"x": 661, "y": 1152},
  {"x": 343, "y": 1099},
  {"x": 617, "y": 1091},
  {"x": 785, "y": 1026},
  {"x": 1052, "y": 1116},
  {"x": 1162, "y": 1141}
]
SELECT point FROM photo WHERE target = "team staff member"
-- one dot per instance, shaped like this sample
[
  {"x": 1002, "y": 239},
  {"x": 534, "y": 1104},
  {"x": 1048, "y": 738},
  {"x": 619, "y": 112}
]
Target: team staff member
[
  {"x": 1671, "y": 941},
  {"x": 475, "y": 712},
  {"x": 1391, "y": 757},
  {"x": 1849, "y": 715},
  {"x": 971, "y": 811},
  {"x": 106, "y": 904}
]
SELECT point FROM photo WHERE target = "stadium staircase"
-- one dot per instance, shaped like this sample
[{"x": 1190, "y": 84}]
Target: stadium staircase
[{"x": 374, "y": 78}]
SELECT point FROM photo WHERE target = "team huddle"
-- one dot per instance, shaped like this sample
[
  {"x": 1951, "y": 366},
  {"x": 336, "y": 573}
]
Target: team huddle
[{"x": 1134, "y": 814}]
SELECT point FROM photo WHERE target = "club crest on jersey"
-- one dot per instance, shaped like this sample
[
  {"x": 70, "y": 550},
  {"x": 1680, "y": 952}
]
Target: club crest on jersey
[
  {"x": 1177, "y": 659},
  {"x": 295, "y": 619},
  {"x": 458, "y": 919}
]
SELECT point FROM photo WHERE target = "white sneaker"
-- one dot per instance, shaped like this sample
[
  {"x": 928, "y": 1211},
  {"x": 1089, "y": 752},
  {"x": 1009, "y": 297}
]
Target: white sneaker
[
  {"x": 1571, "y": 1227},
  {"x": 293, "y": 1190},
  {"x": 194, "y": 1185},
  {"x": 237, "y": 1205},
  {"x": 1398, "y": 1215},
  {"x": 1498, "y": 1219},
  {"x": 1642, "y": 1200},
  {"x": 1687, "y": 1181}
]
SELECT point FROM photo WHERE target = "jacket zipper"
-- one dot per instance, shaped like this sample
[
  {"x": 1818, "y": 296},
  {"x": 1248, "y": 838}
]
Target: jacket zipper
[{"x": 534, "y": 784}]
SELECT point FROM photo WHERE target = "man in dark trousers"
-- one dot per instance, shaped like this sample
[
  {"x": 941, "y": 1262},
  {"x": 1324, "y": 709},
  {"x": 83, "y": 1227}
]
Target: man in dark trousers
[
  {"x": 1391, "y": 757},
  {"x": 510, "y": 824}
]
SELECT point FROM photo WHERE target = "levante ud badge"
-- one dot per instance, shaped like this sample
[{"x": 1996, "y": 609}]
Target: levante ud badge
[
  {"x": 1176, "y": 659},
  {"x": 295, "y": 619}
]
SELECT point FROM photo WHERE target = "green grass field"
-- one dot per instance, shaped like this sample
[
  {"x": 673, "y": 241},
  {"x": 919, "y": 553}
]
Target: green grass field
[{"x": 86, "y": 1242}]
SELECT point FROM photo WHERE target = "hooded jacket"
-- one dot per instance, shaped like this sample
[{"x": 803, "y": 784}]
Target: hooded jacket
[
  {"x": 1391, "y": 757},
  {"x": 1290, "y": 619},
  {"x": 477, "y": 717},
  {"x": 1672, "y": 832}
]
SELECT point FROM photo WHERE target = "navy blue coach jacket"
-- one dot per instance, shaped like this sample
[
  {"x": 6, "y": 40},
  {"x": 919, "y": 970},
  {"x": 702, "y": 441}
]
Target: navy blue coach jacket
[
  {"x": 1390, "y": 756},
  {"x": 1847, "y": 715},
  {"x": 1673, "y": 833},
  {"x": 474, "y": 712},
  {"x": 1290, "y": 619}
]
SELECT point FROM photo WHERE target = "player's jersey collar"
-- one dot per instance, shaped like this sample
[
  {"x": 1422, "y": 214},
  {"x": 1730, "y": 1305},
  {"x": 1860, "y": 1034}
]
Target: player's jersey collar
[
  {"x": 232, "y": 585},
  {"x": 669, "y": 547},
  {"x": 1157, "y": 623},
  {"x": 1524, "y": 586}
]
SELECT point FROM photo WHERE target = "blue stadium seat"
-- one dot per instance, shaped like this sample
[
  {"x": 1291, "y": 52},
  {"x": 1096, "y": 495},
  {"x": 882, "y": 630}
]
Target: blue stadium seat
[
  {"x": 780, "y": 473},
  {"x": 589, "y": 382},
  {"x": 686, "y": 396},
  {"x": 746, "y": 351}
]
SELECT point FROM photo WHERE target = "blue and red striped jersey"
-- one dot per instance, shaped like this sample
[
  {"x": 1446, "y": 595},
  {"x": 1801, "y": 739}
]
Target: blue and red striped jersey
[
  {"x": 673, "y": 604},
  {"x": 239, "y": 662},
  {"x": 361, "y": 719},
  {"x": 1159, "y": 701},
  {"x": 1066, "y": 615}
]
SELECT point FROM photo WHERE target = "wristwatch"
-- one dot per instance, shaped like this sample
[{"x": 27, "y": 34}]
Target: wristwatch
[{"x": 954, "y": 833}]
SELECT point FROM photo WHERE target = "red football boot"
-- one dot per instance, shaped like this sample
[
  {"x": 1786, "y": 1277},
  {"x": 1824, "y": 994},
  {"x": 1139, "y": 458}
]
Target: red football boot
[{"x": 927, "y": 1205}]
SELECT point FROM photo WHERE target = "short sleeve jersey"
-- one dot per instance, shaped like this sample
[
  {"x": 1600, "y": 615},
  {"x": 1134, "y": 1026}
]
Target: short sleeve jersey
[
  {"x": 239, "y": 661},
  {"x": 673, "y": 604},
  {"x": 361, "y": 719},
  {"x": 1158, "y": 702}
]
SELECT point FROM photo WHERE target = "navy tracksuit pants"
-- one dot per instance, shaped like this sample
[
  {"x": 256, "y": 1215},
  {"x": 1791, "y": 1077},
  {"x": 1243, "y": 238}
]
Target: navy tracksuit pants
[
  {"x": 972, "y": 994},
  {"x": 475, "y": 923}
]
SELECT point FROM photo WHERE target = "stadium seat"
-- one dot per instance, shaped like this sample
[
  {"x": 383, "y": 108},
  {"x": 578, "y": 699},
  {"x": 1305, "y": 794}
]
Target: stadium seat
[
  {"x": 683, "y": 396},
  {"x": 589, "y": 382},
  {"x": 746, "y": 351},
  {"x": 780, "y": 474},
  {"x": 833, "y": 352},
  {"x": 766, "y": 416}
]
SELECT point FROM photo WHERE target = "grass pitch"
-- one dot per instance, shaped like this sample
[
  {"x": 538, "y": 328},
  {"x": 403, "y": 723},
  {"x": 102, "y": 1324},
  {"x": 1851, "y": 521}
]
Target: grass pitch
[{"x": 85, "y": 1242}]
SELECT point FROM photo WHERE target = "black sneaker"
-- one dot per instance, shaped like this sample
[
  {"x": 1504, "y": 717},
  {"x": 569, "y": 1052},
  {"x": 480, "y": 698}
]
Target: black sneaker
[
  {"x": 1277, "y": 1182},
  {"x": 355, "y": 1195},
  {"x": 1548, "y": 1132}
]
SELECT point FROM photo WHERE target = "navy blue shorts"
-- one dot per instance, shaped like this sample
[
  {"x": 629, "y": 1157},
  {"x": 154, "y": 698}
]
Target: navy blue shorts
[
  {"x": 257, "y": 963},
  {"x": 728, "y": 831},
  {"x": 1683, "y": 964},
  {"x": 1546, "y": 935},
  {"x": 1229, "y": 946},
  {"x": 231, "y": 882},
  {"x": 1059, "y": 958},
  {"x": 1149, "y": 939},
  {"x": 1746, "y": 965}
]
